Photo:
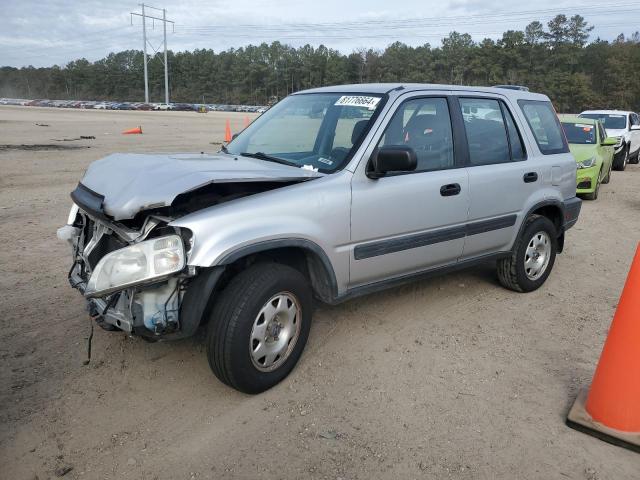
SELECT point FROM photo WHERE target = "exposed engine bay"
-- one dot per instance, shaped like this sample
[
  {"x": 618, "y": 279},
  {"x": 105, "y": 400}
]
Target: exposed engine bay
[{"x": 153, "y": 307}]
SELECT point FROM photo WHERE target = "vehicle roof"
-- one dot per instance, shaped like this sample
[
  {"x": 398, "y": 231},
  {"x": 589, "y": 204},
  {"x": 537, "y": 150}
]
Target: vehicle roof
[
  {"x": 576, "y": 119},
  {"x": 614, "y": 112},
  {"x": 382, "y": 88}
]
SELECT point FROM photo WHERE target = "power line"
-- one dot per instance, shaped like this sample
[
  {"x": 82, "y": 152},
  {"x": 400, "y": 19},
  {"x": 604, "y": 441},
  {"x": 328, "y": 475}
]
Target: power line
[
  {"x": 323, "y": 32},
  {"x": 420, "y": 20}
]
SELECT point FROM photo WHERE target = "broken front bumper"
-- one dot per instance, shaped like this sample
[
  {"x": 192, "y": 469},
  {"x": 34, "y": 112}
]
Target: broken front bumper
[{"x": 151, "y": 308}]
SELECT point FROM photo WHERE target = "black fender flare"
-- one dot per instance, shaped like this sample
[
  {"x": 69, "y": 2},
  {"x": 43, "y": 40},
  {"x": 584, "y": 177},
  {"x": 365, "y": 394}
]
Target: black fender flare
[
  {"x": 547, "y": 203},
  {"x": 300, "y": 243}
]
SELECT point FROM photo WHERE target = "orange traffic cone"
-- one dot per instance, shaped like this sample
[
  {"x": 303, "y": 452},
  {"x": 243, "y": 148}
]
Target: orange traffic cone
[
  {"x": 133, "y": 131},
  {"x": 247, "y": 122},
  {"x": 227, "y": 132},
  {"x": 610, "y": 410}
]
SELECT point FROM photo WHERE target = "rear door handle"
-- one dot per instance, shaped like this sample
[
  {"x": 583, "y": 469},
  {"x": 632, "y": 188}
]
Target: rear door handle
[
  {"x": 530, "y": 177},
  {"x": 450, "y": 190}
]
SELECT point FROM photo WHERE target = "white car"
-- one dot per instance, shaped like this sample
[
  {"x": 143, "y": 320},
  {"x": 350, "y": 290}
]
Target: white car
[
  {"x": 623, "y": 125},
  {"x": 101, "y": 106}
]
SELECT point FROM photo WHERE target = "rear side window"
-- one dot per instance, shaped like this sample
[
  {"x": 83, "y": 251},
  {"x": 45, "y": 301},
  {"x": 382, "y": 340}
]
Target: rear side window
[
  {"x": 492, "y": 136},
  {"x": 544, "y": 124},
  {"x": 515, "y": 140}
]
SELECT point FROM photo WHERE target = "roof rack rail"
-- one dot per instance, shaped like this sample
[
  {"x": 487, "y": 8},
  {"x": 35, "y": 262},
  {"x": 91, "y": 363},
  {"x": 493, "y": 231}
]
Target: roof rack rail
[{"x": 513, "y": 87}]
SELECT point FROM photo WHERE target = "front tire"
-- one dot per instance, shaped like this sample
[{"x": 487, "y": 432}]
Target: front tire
[
  {"x": 607, "y": 179},
  {"x": 259, "y": 327},
  {"x": 532, "y": 257},
  {"x": 594, "y": 194},
  {"x": 621, "y": 163}
]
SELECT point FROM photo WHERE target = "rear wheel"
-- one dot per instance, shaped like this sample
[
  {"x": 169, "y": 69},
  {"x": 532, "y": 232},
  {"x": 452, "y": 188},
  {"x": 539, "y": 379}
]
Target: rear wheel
[
  {"x": 634, "y": 160},
  {"x": 532, "y": 257},
  {"x": 259, "y": 327}
]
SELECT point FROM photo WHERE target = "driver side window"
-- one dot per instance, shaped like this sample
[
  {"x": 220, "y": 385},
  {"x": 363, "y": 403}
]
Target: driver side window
[{"x": 424, "y": 125}]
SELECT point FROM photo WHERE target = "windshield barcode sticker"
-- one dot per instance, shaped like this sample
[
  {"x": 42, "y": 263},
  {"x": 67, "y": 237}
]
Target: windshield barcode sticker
[{"x": 358, "y": 101}]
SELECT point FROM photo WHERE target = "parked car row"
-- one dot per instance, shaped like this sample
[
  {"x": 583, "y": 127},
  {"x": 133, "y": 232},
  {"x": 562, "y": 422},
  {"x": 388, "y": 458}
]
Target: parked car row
[
  {"x": 601, "y": 141},
  {"x": 198, "y": 107}
]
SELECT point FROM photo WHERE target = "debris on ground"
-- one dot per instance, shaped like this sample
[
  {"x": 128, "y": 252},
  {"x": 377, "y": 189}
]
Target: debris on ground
[
  {"x": 81, "y": 137},
  {"x": 62, "y": 471},
  {"x": 42, "y": 124},
  {"x": 39, "y": 147}
]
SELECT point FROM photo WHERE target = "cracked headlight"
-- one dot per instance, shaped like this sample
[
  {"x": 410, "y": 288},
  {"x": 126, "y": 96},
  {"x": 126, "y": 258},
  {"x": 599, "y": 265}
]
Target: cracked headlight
[
  {"x": 143, "y": 262},
  {"x": 590, "y": 162}
]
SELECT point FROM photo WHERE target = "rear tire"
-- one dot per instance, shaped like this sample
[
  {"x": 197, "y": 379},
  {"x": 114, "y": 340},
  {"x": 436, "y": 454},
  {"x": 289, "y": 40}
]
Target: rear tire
[
  {"x": 635, "y": 158},
  {"x": 532, "y": 257},
  {"x": 266, "y": 308}
]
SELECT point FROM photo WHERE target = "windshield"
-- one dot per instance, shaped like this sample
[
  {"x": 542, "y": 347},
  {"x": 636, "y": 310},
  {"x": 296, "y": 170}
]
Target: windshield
[
  {"x": 314, "y": 130},
  {"x": 610, "y": 121},
  {"x": 580, "y": 133}
]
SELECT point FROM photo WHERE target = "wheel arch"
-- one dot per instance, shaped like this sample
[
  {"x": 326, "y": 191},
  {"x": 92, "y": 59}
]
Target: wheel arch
[
  {"x": 302, "y": 254},
  {"x": 554, "y": 211}
]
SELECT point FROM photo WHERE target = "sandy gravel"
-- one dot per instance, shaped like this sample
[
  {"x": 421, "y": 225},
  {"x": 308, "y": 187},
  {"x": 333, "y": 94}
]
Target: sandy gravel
[{"x": 454, "y": 377}]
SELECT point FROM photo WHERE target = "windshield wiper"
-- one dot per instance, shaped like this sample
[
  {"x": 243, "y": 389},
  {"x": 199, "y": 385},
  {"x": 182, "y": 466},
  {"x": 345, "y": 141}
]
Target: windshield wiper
[
  {"x": 224, "y": 149},
  {"x": 269, "y": 158}
]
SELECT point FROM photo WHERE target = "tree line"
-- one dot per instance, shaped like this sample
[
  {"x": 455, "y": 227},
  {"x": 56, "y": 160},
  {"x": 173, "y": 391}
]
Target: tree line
[{"x": 556, "y": 59}]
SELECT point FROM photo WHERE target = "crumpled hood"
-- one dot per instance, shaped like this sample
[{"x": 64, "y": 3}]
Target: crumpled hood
[{"x": 131, "y": 183}]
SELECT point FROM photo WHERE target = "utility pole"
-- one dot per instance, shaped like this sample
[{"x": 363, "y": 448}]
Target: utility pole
[
  {"x": 145, "y": 42},
  {"x": 166, "y": 70}
]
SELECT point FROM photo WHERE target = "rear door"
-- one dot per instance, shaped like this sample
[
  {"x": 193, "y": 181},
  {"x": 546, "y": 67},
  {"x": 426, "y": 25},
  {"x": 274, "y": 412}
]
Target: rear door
[
  {"x": 501, "y": 178},
  {"x": 409, "y": 222}
]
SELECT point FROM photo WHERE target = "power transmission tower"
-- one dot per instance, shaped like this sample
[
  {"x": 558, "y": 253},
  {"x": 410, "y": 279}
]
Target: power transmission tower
[{"x": 145, "y": 42}]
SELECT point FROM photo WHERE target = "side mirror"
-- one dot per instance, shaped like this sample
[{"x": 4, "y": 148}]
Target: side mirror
[
  {"x": 392, "y": 158},
  {"x": 609, "y": 142}
]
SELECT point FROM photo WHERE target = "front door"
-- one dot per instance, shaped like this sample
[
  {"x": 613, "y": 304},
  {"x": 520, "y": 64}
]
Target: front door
[{"x": 408, "y": 222}]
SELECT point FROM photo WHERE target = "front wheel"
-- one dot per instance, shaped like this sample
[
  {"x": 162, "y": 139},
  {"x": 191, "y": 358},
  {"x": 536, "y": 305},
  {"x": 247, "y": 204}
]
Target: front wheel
[
  {"x": 596, "y": 190},
  {"x": 259, "y": 327},
  {"x": 621, "y": 162},
  {"x": 532, "y": 257},
  {"x": 607, "y": 179}
]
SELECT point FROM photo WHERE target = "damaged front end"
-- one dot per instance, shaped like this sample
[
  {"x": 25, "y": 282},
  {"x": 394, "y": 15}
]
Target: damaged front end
[
  {"x": 129, "y": 260},
  {"x": 133, "y": 280}
]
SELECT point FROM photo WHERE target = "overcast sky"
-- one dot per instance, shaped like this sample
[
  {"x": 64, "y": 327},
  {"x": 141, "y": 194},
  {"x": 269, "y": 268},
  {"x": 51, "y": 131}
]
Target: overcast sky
[{"x": 43, "y": 33}]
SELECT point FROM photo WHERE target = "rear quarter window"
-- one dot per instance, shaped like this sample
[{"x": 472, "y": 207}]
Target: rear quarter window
[{"x": 544, "y": 124}]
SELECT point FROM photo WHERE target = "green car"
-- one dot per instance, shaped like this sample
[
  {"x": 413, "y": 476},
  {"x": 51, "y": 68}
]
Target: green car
[{"x": 593, "y": 152}]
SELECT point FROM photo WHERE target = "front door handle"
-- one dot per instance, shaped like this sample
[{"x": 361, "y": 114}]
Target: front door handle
[
  {"x": 530, "y": 177},
  {"x": 450, "y": 190}
]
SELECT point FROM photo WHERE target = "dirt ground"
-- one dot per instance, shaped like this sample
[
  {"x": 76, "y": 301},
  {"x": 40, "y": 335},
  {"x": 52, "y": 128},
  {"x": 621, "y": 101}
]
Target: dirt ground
[{"x": 454, "y": 377}]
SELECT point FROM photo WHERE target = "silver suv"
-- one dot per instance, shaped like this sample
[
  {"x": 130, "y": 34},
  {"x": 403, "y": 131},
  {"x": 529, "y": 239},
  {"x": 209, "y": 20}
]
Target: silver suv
[{"x": 332, "y": 193}]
